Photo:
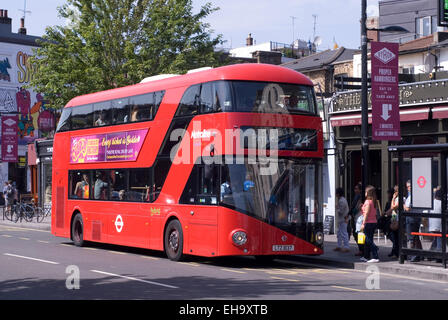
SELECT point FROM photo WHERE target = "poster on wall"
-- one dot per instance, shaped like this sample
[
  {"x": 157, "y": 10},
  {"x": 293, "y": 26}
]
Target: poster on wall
[
  {"x": 9, "y": 139},
  {"x": 16, "y": 72}
]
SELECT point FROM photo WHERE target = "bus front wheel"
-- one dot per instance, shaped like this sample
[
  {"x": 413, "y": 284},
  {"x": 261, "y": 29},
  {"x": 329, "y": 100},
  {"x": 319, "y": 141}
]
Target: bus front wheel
[
  {"x": 174, "y": 240},
  {"x": 78, "y": 230}
]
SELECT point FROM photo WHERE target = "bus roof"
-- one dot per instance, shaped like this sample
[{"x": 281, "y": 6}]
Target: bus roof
[{"x": 248, "y": 71}]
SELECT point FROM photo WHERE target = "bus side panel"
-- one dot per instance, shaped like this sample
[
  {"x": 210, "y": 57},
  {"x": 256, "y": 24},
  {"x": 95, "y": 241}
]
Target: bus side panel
[
  {"x": 202, "y": 230},
  {"x": 128, "y": 224},
  {"x": 230, "y": 221}
]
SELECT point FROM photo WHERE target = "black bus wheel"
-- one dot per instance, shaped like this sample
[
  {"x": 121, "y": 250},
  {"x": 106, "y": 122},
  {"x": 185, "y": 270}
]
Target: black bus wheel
[
  {"x": 174, "y": 240},
  {"x": 78, "y": 230}
]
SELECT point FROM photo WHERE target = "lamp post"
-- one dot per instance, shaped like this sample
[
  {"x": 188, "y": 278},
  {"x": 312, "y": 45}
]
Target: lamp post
[
  {"x": 364, "y": 94},
  {"x": 364, "y": 102}
]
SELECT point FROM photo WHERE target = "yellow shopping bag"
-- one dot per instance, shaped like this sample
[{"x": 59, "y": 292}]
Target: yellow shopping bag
[{"x": 361, "y": 238}]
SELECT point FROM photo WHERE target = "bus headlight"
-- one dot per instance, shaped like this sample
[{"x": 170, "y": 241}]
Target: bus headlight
[
  {"x": 239, "y": 237},
  {"x": 319, "y": 238}
]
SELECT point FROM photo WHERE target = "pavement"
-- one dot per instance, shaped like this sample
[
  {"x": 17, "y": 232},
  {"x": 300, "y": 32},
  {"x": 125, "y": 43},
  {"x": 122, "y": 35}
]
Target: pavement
[{"x": 422, "y": 270}]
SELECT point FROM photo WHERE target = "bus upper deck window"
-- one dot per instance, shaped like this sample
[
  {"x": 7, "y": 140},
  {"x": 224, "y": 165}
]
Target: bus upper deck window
[{"x": 102, "y": 114}]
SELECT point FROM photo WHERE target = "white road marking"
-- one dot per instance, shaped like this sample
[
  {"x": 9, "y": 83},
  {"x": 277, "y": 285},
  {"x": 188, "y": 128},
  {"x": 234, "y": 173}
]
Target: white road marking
[
  {"x": 230, "y": 270},
  {"x": 367, "y": 290},
  {"x": 30, "y": 258},
  {"x": 134, "y": 279}
]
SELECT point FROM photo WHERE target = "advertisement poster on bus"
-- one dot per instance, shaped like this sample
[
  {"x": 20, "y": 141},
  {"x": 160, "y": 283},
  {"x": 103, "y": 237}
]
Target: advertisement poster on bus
[
  {"x": 118, "y": 146},
  {"x": 385, "y": 93}
]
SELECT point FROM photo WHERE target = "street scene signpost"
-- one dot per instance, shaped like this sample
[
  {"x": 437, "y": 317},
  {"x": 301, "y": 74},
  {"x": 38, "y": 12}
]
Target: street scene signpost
[{"x": 385, "y": 94}]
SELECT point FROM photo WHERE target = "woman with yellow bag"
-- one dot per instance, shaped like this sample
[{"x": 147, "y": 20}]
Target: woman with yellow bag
[{"x": 369, "y": 225}]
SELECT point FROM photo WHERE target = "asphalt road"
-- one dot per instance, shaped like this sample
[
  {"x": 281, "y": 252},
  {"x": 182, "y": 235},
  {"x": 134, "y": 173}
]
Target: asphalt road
[{"x": 36, "y": 265}]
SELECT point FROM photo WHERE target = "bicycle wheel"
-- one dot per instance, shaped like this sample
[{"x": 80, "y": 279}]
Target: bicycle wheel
[
  {"x": 39, "y": 213},
  {"x": 27, "y": 212},
  {"x": 15, "y": 215},
  {"x": 8, "y": 214}
]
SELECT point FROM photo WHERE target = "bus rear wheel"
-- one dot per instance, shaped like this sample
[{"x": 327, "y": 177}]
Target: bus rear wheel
[
  {"x": 78, "y": 230},
  {"x": 174, "y": 241}
]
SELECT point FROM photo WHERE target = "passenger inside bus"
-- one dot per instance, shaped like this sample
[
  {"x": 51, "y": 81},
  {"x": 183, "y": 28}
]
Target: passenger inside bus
[
  {"x": 82, "y": 188},
  {"x": 134, "y": 114},
  {"x": 100, "y": 186},
  {"x": 101, "y": 120}
]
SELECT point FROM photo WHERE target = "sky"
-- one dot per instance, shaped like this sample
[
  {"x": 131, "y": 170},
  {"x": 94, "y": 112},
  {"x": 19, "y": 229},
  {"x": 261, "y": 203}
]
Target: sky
[{"x": 267, "y": 20}]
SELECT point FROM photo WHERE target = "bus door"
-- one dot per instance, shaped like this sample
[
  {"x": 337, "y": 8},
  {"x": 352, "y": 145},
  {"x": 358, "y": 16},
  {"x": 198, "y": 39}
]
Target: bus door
[
  {"x": 202, "y": 234},
  {"x": 201, "y": 192}
]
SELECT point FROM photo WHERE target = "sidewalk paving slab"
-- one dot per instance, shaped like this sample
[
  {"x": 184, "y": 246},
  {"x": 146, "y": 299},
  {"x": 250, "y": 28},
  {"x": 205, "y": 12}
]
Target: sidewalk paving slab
[{"x": 423, "y": 270}]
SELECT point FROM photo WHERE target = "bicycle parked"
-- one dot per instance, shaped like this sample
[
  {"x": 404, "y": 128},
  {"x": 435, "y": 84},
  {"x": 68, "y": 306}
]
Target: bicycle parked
[{"x": 20, "y": 211}]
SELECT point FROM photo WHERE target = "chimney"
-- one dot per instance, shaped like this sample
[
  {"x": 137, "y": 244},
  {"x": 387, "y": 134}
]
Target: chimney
[
  {"x": 5, "y": 22},
  {"x": 22, "y": 29},
  {"x": 249, "y": 40}
]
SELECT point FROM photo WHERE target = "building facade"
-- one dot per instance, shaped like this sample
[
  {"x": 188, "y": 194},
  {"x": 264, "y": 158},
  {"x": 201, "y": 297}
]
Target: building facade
[
  {"x": 423, "y": 116},
  {"x": 34, "y": 119}
]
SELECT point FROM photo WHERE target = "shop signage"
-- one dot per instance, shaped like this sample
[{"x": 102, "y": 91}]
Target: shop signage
[
  {"x": 10, "y": 138},
  {"x": 385, "y": 97},
  {"x": 117, "y": 146},
  {"x": 411, "y": 94}
]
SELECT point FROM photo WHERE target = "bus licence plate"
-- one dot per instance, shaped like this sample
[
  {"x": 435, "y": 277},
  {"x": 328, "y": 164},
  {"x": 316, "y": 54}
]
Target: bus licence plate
[{"x": 277, "y": 247}]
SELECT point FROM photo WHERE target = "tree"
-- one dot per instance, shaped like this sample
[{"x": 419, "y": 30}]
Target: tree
[{"x": 113, "y": 43}]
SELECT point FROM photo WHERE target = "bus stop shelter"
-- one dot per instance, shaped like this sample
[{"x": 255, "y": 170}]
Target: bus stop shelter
[{"x": 422, "y": 179}]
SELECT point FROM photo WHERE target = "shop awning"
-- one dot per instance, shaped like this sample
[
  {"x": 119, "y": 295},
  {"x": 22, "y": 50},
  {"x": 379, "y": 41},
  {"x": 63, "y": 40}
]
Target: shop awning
[
  {"x": 354, "y": 119},
  {"x": 440, "y": 112}
]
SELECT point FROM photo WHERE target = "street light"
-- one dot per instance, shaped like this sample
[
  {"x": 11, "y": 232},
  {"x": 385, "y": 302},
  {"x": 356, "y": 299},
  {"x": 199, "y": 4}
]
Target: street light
[{"x": 364, "y": 102}]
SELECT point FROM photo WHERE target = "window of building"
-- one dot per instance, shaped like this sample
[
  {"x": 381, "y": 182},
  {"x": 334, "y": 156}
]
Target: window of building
[{"x": 425, "y": 26}]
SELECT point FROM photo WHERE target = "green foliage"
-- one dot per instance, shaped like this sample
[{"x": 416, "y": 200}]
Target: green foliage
[{"x": 113, "y": 43}]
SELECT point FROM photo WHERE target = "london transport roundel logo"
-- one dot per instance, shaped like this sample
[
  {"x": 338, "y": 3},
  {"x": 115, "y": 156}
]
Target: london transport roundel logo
[
  {"x": 421, "y": 181},
  {"x": 119, "y": 223}
]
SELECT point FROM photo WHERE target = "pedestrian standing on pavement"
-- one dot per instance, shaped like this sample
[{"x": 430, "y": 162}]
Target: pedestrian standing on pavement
[
  {"x": 9, "y": 194},
  {"x": 355, "y": 213},
  {"x": 5, "y": 195},
  {"x": 369, "y": 225},
  {"x": 412, "y": 225},
  {"x": 392, "y": 233},
  {"x": 435, "y": 224},
  {"x": 343, "y": 218}
]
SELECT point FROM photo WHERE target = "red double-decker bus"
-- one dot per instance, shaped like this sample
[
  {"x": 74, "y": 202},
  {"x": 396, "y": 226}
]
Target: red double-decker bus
[{"x": 218, "y": 162}]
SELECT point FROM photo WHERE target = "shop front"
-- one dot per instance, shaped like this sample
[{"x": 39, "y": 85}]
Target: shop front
[{"x": 423, "y": 120}]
